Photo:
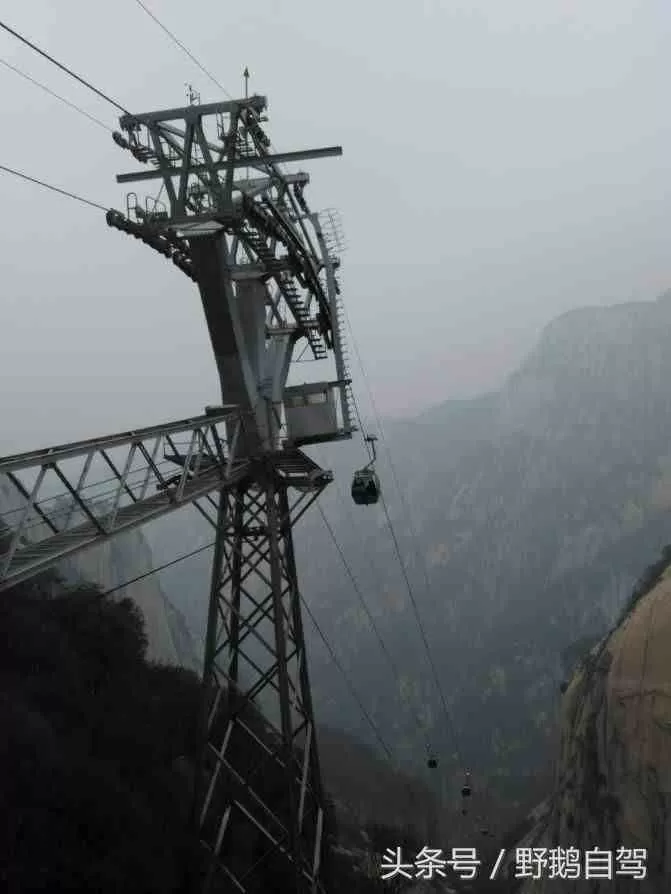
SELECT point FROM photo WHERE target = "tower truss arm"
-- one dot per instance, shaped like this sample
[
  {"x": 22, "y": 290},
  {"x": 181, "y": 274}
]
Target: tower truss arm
[
  {"x": 249, "y": 241},
  {"x": 67, "y": 498},
  {"x": 276, "y": 158},
  {"x": 64, "y": 499}
]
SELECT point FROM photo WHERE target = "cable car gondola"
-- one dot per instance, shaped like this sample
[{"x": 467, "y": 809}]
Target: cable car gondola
[
  {"x": 431, "y": 759},
  {"x": 366, "y": 484},
  {"x": 465, "y": 793},
  {"x": 365, "y": 487}
]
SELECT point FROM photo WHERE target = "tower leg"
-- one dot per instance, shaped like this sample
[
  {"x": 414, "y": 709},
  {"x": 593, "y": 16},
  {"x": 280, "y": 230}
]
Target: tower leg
[{"x": 261, "y": 808}]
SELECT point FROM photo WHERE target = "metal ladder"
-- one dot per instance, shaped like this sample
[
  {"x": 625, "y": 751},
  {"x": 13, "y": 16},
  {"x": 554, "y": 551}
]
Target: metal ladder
[
  {"x": 339, "y": 322},
  {"x": 289, "y": 290}
]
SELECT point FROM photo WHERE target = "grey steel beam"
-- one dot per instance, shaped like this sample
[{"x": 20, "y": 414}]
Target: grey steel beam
[
  {"x": 18, "y": 461},
  {"x": 256, "y": 659},
  {"x": 39, "y": 532},
  {"x": 42, "y": 529},
  {"x": 258, "y": 103},
  {"x": 251, "y": 162},
  {"x": 29, "y": 561}
]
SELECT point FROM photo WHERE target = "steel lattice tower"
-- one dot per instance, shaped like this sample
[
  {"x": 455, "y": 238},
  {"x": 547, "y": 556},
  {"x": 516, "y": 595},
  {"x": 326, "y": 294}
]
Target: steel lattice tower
[
  {"x": 265, "y": 267},
  {"x": 256, "y": 545}
]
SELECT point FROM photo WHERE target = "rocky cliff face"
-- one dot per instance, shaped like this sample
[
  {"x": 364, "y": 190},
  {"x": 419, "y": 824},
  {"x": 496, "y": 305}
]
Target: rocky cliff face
[
  {"x": 123, "y": 558},
  {"x": 613, "y": 780},
  {"x": 126, "y": 557},
  {"x": 535, "y": 509}
]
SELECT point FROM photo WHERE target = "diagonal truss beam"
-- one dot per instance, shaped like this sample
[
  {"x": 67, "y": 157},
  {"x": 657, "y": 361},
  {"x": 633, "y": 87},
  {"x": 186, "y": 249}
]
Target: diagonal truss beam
[
  {"x": 64, "y": 499},
  {"x": 259, "y": 774},
  {"x": 67, "y": 498},
  {"x": 261, "y": 800},
  {"x": 240, "y": 233}
]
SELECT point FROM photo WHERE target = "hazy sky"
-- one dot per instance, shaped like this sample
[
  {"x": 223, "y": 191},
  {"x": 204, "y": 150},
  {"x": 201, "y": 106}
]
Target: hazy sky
[{"x": 504, "y": 160}]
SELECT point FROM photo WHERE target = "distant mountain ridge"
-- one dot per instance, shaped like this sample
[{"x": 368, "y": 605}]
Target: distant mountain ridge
[{"x": 535, "y": 509}]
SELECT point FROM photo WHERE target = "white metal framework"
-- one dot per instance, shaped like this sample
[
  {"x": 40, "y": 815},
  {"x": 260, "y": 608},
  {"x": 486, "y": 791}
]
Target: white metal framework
[
  {"x": 266, "y": 266},
  {"x": 108, "y": 485},
  {"x": 266, "y": 269}
]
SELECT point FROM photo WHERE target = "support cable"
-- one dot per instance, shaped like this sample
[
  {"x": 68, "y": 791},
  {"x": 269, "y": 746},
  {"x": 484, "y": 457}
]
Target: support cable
[
  {"x": 413, "y": 531},
  {"x": 448, "y": 720},
  {"x": 62, "y": 99},
  {"x": 179, "y": 43},
  {"x": 63, "y": 67},
  {"x": 369, "y": 615},
  {"x": 321, "y": 633},
  {"x": 350, "y": 686},
  {"x": 63, "y": 192},
  {"x": 157, "y": 568}
]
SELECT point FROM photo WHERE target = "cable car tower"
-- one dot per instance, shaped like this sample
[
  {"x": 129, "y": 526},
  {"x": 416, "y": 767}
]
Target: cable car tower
[{"x": 240, "y": 228}]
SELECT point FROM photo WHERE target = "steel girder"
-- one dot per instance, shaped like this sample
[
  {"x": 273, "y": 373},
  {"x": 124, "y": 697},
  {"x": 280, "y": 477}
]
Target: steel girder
[
  {"x": 261, "y": 801},
  {"x": 58, "y": 501},
  {"x": 265, "y": 269},
  {"x": 236, "y": 228},
  {"x": 258, "y": 712}
]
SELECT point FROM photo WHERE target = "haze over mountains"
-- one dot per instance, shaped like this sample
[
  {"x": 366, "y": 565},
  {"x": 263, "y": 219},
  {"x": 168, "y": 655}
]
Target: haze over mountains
[
  {"x": 534, "y": 509},
  {"x": 527, "y": 515},
  {"x": 110, "y": 566}
]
